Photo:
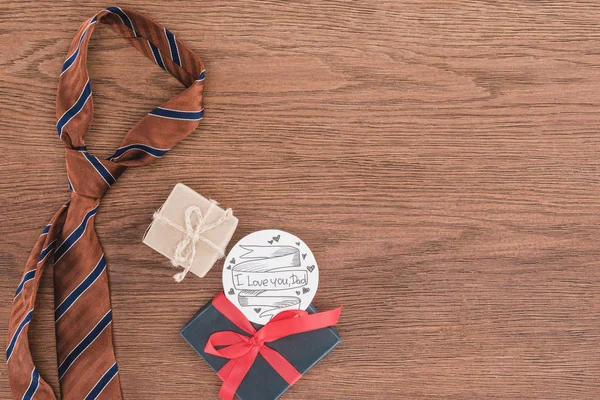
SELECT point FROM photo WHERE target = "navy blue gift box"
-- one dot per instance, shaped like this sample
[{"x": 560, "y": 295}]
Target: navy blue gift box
[{"x": 302, "y": 350}]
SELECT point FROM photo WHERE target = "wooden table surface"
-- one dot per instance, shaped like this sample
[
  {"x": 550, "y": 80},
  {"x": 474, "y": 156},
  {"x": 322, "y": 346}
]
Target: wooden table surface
[{"x": 441, "y": 160}]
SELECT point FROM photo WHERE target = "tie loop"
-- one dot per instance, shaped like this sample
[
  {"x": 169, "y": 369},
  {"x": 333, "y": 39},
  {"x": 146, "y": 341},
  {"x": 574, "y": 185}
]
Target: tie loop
[{"x": 161, "y": 128}]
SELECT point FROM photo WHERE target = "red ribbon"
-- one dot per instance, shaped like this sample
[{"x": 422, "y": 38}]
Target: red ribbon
[{"x": 242, "y": 350}]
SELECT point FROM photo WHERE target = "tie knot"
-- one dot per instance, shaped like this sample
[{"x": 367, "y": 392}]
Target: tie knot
[{"x": 90, "y": 176}]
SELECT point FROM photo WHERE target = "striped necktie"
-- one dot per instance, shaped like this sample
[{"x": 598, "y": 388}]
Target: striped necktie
[{"x": 87, "y": 368}]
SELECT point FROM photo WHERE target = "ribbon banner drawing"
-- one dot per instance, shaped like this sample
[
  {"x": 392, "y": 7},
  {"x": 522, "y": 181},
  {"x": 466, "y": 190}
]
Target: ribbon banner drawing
[{"x": 266, "y": 271}]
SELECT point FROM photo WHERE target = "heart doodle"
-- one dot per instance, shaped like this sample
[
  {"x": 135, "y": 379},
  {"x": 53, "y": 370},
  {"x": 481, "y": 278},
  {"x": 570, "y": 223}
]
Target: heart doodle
[
  {"x": 232, "y": 261},
  {"x": 231, "y": 292},
  {"x": 276, "y": 238},
  {"x": 229, "y": 267},
  {"x": 298, "y": 292},
  {"x": 297, "y": 243},
  {"x": 305, "y": 290},
  {"x": 304, "y": 256},
  {"x": 270, "y": 241},
  {"x": 310, "y": 268},
  {"x": 257, "y": 310}
]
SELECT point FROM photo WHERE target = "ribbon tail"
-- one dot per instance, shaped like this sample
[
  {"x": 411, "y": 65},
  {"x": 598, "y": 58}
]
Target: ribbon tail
[
  {"x": 283, "y": 367},
  {"x": 234, "y": 372}
]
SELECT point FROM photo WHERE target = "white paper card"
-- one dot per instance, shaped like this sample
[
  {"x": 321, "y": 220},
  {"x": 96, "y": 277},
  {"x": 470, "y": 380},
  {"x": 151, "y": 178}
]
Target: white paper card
[{"x": 270, "y": 271}]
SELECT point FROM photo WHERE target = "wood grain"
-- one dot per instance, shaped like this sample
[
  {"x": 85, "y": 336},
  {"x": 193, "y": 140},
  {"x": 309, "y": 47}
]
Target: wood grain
[{"x": 441, "y": 160}]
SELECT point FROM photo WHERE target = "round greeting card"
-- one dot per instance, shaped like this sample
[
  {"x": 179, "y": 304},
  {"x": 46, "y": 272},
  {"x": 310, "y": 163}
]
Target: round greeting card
[{"x": 268, "y": 272}]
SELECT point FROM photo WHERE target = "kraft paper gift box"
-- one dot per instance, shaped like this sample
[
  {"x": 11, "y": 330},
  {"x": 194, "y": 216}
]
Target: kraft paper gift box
[
  {"x": 191, "y": 230},
  {"x": 302, "y": 350}
]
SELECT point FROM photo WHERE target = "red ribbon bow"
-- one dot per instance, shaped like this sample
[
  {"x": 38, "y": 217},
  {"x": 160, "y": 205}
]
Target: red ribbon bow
[{"x": 242, "y": 350}]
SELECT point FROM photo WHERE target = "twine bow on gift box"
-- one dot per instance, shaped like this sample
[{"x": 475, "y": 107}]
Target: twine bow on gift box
[
  {"x": 242, "y": 350},
  {"x": 195, "y": 226}
]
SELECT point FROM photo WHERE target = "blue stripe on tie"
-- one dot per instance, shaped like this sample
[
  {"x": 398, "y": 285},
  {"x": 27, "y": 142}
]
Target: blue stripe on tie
[
  {"x": 75, "y": 108},
  {"x": 153, "y": 151},
  {"x": 103, "y": 382},
  {"x": 74, "y": 236},
  {"x": 84, "y": 344},
  {"x": 100, "y": 168},
  {"x": 202, "y": 76},
  {"x": 124, "y": 18},
  {"x": 29, "y": 275},
  {"x": 46, "y": 229},
  {"x": 173, "y": 47},
  {"x": 79, "y": 290},
  {"x": 157, "y": 55},
  {"x": 34, "y": 383},
  {"x": 13, "y": 341},
  {"x": 71, "y": 59},
  {"x": 176, "y": 114},
  {"x": 46, "y": 251}
]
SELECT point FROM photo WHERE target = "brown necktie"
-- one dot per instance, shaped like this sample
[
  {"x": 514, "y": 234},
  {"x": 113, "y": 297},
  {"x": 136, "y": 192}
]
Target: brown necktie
[{"x": 86, "y": 362}]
